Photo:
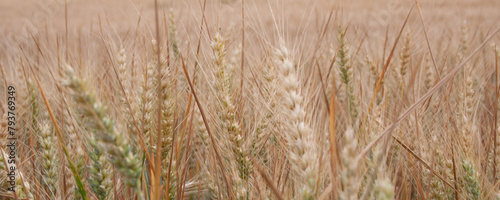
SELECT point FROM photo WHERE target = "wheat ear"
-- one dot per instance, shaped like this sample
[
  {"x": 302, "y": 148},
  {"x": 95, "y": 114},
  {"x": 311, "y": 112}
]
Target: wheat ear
[
  {"x": 299, "y": 134},
  {"x": 114, "y": 143}
]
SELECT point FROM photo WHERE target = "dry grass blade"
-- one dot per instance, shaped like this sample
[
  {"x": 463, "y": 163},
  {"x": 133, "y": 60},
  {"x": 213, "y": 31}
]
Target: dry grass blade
[
  {"x": 217, "y": 154},
  {"x": 156, "y": 186},
  {"x": 332, "y": 134},
  {"x": 492, "y": 190},
  {"x": 266, "y": 178},
  {"x": 79, "y": 183},
  {"x": 431, "y": 91},
  {"x": 495, "y": 122},
  {"x": 386, "y": 65},
  {"x": 423, "y": 162},
  {"x": 427, "y": 39}
]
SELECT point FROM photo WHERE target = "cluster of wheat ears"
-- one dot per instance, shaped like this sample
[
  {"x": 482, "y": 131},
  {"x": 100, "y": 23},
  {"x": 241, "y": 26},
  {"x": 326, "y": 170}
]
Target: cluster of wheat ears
[{"x": 149, "y": 115}]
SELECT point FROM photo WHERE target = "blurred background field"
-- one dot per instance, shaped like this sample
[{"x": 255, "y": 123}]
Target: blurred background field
[{"x": 18, "y": 18}]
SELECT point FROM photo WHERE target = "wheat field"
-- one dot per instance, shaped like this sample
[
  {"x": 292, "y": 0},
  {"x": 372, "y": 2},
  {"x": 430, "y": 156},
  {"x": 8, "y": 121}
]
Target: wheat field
[{"x": 250, "y": 99}]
